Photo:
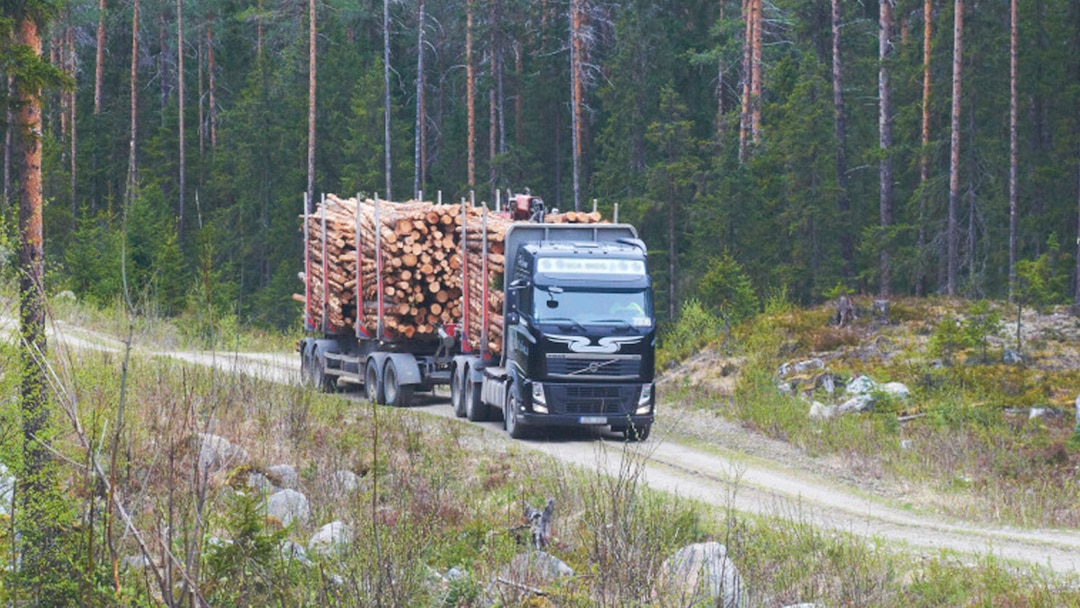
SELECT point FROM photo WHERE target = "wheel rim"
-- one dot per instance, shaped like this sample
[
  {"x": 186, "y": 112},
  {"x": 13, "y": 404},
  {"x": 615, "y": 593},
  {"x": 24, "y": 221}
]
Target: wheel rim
[
  {"x": 455, "y": 393},
  {"x": 371, "y": 383},
  {"x": 511, "y": 412}
]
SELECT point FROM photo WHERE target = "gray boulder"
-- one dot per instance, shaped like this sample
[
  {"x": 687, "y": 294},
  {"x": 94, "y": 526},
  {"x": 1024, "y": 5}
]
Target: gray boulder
[
  {"x": 288, "y": 506},
  {"x": 259, "y": 482},
  {"x": 291, "y": 551},
  {"x": 215, "y": 452},
  {"x": 1011, "y": 357},
  {"x": 895, "y": 389},
  {"x": 346, "y": 481},
  {"x": 820, "y": 411},
  {"x": 863, "y": 385},
  {"x": 330, "y": 538},
  {"x": 801, "y": 367},
  {"x": 540, "y": 566},
  {"x": 284, "y": 476},
  {"x": 858, "y": 403},
  {"x": 703, "y": 574}
]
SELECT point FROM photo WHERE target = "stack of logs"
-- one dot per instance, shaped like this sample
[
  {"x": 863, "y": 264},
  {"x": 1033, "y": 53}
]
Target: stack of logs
[{"x": 422, "y": 281}]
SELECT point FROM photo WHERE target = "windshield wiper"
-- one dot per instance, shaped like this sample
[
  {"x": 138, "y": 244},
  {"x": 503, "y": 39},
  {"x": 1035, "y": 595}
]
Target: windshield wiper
[{"x": 565, "y": 323}]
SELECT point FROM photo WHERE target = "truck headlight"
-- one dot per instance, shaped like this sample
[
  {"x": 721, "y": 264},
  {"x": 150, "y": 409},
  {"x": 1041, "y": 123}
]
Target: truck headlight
[
  {"x": 644, "y": 403},
  {"x": 538, "y": 402}
]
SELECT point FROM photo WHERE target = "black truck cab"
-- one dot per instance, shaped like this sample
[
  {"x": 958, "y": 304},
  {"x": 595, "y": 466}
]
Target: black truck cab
[{"x": 581, "y": 333}]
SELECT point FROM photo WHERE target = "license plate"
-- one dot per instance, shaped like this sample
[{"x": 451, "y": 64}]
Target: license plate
[{"x": 593, "y": 420}]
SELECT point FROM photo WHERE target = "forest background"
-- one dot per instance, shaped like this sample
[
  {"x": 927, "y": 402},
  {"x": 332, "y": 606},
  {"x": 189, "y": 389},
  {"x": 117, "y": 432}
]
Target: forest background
[{"x": 806, "y": 148}]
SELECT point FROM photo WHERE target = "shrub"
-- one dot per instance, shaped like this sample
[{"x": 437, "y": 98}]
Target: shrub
[{"x": 696, "y": 327}]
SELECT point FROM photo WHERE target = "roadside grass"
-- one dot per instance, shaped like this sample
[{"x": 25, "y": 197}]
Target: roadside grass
[
  {"x": 434, "y": 494},
  {"x": 967, "y": 438},
  {"x": 200, "y": 330}
]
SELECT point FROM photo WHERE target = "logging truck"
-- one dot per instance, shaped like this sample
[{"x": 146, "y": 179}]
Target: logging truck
[{"x": 540, "y": 320}]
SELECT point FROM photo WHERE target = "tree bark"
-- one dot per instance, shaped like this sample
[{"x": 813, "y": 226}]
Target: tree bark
[
  {"x": 755, "y": 73},
  {"x": 212, "y": 99},
  {"x": 497, "y": 67},
  {"x": 73, "y": 141},
  {"x": 8, "y": 150},
  {"x": 924, "y": 154},
  {"x": 747, "y": 68},
  {"x": 39, "y": 535},
  {"x": 847, "y": 243},
  {"x": 1014, "y": 160},
  {"x": 470, "y": 94},
  {"x": 180, "y": 97},
  {"x": 885, "y": 140},
  {"x": 311, "y": 102},
  {"x": 418, "y": 164},
  {"x": 952, "y": 238},
  {"x": 492, "y": 139},
  {"x": 519, "y": 98},
  {"x": 576, "y": 96},
  {"x": 134, "y": 92},
  {"x": 386, "y": 97},
  {"x": 99, "y": 65}
]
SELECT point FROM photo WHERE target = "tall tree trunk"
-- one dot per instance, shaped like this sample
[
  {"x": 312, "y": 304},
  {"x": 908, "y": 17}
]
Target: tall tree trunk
[
  {"x": 180, "y": 98},
  {"x": 924, "y": 154},
  {"x": 470, "y": 94},
  {"x": 386, "y": 97},
  {"x": 200, "y": 54},
  {"x": 519, "y": 98},
  {"x": 576, "y": 96},
  {"x": 38, "y": 532},
  {"x": 213, "y": 93},
  {"x": 885, "y": 139},
  {"x": 8, "y": 151},
  {"x": 847, "y": 243},
  {"x": 755, "y": 72},
  {"x": 497, "y": 67},
  {"x": 493, "y": 149},
  {"x": 259, "y": 33},
  {"x": 952, "y": 237},
  {"x": 1076, "y": 292},
  {"x": 747, "y": 68},
  {"x": 73, "y": 141},
  {"x": 672, "y": 251},
  {"x": 418, "y": 169},
  {"x": 720, "y": 69},
  {"x": 311, "y": 103},
  {"x": 99, "y": 57},
  {"x": 1014, "y": 160},
  {"x": 134, "y": 77}
]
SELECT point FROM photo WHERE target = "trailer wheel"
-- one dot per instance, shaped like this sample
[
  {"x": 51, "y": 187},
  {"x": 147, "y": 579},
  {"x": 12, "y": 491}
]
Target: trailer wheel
[
  {"x": 514, "y": 427},
  {"x": 475, "y": 410},
  {"x": 319, "y": 379},
  {"x": 395, "y": 394},
  {"x": 372, "y": 384},
  {"x": 457, "y": 391}
]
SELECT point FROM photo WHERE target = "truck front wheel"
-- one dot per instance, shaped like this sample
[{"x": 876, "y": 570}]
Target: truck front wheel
[
  {"x": 514, "y": 427},
  {"x": 397, "y": 395}
]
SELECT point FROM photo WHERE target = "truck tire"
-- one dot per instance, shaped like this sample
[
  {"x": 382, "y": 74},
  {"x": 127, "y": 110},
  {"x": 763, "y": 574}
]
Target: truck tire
[
  {"x": 373, "y": 386},
  {"x": 514, "y": 427},
  {"x": 305, "y": 367},
  {"x": 395, "y": 393},
  {"x": 637, "y": 433},
  {"x": 475, "y": 410},
  {"x": 319, "y": 378},
  {"x": 457, "y": 391}
]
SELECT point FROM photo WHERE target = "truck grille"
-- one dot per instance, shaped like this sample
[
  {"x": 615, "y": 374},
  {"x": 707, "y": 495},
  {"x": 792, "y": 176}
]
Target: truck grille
[
  {"x": 605, "y": 367},
  {"x": 584, "y": 399}
]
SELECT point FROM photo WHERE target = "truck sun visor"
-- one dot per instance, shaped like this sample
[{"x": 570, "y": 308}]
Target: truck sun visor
[{"x": 587, "y": 266}]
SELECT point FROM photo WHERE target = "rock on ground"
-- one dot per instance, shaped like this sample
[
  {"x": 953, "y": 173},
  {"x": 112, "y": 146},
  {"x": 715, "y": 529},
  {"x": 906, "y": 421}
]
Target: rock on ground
[
  {"x": 330, "y": 538},
  {"x": 703, "y": 573},
  {"x": 287, "y": 506},
  {"x": 284, "y": 476}
]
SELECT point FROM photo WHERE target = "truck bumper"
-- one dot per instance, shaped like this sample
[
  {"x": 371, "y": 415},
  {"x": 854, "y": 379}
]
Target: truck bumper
[{"x": 588, "y": 404}]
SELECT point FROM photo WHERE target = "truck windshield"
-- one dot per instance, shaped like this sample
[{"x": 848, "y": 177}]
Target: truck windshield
[{"x": 626, "y": 308}]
